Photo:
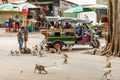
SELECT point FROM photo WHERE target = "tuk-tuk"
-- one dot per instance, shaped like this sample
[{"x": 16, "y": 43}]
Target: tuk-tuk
[{"x": 68, "y": 34}]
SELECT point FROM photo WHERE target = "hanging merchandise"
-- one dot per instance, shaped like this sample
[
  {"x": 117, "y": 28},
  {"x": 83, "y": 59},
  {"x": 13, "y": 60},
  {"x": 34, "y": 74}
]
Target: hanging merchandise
[{"x": 24, "y": 11}]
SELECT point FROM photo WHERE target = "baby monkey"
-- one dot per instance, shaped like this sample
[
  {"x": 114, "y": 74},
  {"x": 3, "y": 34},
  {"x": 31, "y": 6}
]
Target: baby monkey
[
  {"x": 17, "y": 53},
  {"x": 40, "y": 68},
  {"x": 12, "y": 52},
  {"x": 65, "y": 58},
  {"x": 59, "y": 51},
  {"x": 52, "y": 50},
  {"x": 36, "y": 48},
  {"x": 94, "y": 51},
  {"x": 41, "y": 54},
  {"x": 69, "y": 47}
]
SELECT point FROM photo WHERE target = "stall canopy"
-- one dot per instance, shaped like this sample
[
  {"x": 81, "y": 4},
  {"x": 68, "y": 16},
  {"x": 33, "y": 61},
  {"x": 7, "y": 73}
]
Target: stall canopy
[
  {"x": 25, "y": 6},
  {"x": 78, "y": 9},
  {"x": 100, "y": 10},
  {"x": 95, "y": 6},
  {"x": 8, "y": 6}
]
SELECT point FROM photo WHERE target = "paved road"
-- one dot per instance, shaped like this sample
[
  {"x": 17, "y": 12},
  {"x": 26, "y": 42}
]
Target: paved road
[{"x": 80, "y": 66}]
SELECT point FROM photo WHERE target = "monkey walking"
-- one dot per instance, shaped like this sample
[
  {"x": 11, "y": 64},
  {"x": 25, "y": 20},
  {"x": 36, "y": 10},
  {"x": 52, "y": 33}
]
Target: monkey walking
[
  {"x": 106, "y": 74},
  {"x": 40, "y": 68}
]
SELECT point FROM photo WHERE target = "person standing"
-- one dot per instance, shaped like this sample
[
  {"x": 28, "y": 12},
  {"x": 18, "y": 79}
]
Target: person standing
[
  {"x": 20, "y": 36},
  {"x": 25, "y": 34},
  {"x": 17, "y": 22}
]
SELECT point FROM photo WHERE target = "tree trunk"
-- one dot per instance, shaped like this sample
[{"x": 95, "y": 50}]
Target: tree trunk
[{"x": 114, "y": 28}]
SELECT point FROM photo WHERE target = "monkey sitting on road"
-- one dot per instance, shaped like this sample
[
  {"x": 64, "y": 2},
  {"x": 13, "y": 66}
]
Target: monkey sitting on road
[
  {"x": 65, "y": 55},
  {"x": 17, "y": 53},
  {"x": 40, "y": 68},
  {"x": 94, "y": 51},
  {"x": 41, "y": 53},
  {"x": 108, "y": 63},
  {"x": 59, "y": 51},
  {"x": 65, "y": 61},
  {"x": 36, "y": 48},
  {"x": 12, "y": 52},
  {"x": 34, "y": 52},
  {"x": 65, "y": 58},
  {"x": 69, "y": 48},
  {"x": 52, "y": 50},
  {"x": 26, "y": 51}
]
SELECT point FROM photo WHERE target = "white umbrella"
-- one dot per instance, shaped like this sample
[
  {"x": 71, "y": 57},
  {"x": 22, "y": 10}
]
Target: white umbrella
[{"x": 25, "y": 6}]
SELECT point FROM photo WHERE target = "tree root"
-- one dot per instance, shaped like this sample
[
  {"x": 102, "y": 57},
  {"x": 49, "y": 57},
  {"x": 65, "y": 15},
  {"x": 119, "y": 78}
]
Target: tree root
[{"x": 107, "y": 49}]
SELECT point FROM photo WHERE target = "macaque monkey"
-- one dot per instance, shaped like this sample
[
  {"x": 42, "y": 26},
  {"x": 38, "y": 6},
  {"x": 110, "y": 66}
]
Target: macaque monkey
[
  {"x": 17, "y": 53},
  {"x": 36, "y": 48},
  {"x": 94, "y": 51},
  {"x": 52, "y": 50},
  {"x": 105, "y": 75},
  {"x": 12, "y": 52},
  {"x": 65, "y": 58},
  {"x": 65, "y": 61},
  {"x": 40, "y": 68},
  {"x": 59, "y": 51},
  {"x": 108, "y": 63},
  {"x": 41, "y": 47},
  {"x": 65, "y": 55},
  {"x": 69, "y": 48},
  {"x": 34, "y": 52},
  {"x": 28, "y": 50},
  {"x": 41, "y": 54}
]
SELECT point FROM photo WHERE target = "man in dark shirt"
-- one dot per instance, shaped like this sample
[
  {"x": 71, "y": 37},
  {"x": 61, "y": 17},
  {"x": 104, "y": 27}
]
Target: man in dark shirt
[{"x": 20, "y": 35}]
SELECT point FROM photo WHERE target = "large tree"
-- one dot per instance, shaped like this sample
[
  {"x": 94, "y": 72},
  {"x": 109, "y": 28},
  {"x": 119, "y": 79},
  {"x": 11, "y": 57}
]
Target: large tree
[{"x": 113, "y": 40}]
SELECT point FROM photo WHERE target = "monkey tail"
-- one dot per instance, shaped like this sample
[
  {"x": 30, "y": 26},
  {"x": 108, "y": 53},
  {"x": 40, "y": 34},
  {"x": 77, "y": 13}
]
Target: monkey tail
[{"x": 51, "y": 65}]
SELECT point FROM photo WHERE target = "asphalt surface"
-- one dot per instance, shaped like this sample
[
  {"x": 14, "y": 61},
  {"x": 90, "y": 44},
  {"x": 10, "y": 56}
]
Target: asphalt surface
[{"x": 80, "y": 66}]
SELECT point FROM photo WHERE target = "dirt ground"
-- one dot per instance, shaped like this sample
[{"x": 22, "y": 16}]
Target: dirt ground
[{"x": 80, "y": 66}]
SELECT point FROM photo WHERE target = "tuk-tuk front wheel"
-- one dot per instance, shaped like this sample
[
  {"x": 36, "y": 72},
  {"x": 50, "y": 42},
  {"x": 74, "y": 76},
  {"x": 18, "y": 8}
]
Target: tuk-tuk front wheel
[
  {"x": 95, "y": 44},
  {"x": 57, "y": 45}
]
